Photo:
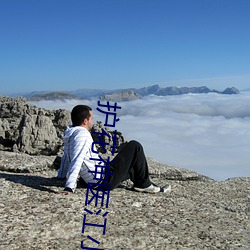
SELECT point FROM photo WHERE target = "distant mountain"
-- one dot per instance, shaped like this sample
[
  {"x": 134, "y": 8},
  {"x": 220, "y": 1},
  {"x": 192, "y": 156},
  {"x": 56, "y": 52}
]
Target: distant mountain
[
  {"x": 28, "y": 94},
  {"x": 124, "y": 94},
  {"x": 91, "y": 93},
  {"x": 230, "y": 91},
  {"x": 53, "y": 96},
  {"x": 157, "y": 90},
  {"x": 132, "y": 94}
]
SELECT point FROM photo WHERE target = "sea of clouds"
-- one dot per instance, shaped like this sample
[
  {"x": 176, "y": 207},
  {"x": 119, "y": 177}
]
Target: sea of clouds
[{"x": 207, "y": 133}]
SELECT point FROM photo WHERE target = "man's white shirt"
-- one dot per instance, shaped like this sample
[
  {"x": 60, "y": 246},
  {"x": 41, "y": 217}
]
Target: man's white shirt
[{"x": 76, "y": 158}]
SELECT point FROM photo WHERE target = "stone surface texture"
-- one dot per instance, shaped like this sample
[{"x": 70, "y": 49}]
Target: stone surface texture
[
  {"x": 199, "y": 213},
  {"x": 36, "y": 131}
]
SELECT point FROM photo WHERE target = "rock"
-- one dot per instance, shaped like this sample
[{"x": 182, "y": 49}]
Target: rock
[
  {"x": 32, "y": 130},
  {"x": 114, "y": 139},
  {"x": 29, "y": 129},
  {"x": 24, "y": 163},
  {"x": 168, "y": 172},
  {"x": 197, "y": 214}
]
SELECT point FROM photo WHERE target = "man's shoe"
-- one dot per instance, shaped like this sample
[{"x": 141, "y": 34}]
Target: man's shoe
[
  {"x": 154, "y": 189},
  {"x": 151, "y": 189}
]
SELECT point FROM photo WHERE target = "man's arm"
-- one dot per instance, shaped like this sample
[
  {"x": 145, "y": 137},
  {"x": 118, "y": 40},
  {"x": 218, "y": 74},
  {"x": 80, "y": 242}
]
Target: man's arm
[{"x": 77, "y": 150}]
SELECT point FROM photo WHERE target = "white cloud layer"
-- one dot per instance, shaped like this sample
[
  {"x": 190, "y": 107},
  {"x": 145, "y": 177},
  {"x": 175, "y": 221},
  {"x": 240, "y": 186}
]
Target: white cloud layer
[{"x": 207, "y": 133}]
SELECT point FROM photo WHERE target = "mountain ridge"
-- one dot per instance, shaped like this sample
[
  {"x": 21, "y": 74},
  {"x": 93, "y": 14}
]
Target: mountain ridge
[{"x": 118, "y": 94}]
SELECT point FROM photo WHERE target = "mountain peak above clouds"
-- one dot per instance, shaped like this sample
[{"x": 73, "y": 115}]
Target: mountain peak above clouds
[
  {"x": 173, "y": 90},
  {"x": 230, "y": 91},
  {"x": 124, "y": 94},
  {"x": 132, "y": 94},
  {"x": 53, "y": 96}
]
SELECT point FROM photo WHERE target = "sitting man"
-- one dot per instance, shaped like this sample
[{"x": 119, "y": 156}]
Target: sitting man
[{"x": 76, "y": 160}]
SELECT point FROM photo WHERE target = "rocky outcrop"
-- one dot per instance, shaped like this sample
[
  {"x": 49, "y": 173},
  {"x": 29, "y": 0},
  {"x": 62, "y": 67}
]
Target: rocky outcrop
[
  {"x": 199, "y": 213},
  {"x": 112, "y": 139},
  {"x": 32, "y": 130},
  {"x": 26, "y": 128},
  {"x": 17, "y": 162}
]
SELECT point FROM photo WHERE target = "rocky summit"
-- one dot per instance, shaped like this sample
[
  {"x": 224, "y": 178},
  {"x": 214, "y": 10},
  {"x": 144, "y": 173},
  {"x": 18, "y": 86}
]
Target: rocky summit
[
  {"x": 199, "y": 212},
  {"x": 36, "y": 131}
]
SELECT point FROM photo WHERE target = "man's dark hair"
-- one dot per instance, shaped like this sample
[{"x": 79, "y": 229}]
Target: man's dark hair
[{"x": 79, "y": 113}]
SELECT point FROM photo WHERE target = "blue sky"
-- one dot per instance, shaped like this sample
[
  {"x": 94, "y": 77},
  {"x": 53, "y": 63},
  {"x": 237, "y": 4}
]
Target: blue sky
[{"x": 66, "y": 45}]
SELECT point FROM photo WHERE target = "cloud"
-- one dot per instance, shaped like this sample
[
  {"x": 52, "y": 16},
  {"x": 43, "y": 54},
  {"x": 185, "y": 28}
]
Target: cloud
[
  {"x": 229, "y": 106},
  {"x": 207, "y": 133}
]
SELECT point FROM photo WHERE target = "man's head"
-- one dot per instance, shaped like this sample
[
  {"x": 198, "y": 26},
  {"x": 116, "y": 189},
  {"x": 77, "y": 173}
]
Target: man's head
[{"x": 81, "y": 115}]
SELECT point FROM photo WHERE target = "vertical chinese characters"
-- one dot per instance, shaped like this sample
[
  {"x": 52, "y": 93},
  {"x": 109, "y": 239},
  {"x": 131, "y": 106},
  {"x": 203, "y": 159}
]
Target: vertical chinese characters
[{"x": 98, "y": 193}]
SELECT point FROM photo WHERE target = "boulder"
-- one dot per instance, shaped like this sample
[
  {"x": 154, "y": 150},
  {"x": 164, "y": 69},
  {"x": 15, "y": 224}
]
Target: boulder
[
  {"x": 27, "y": 128},
  {"x": 36, "y": 131}
]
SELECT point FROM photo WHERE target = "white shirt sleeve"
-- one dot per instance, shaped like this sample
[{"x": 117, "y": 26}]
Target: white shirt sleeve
[{"x": 78, "y": 147}]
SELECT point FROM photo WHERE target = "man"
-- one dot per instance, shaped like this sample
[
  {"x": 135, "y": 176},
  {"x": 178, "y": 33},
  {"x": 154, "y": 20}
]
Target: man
[{"x": 76, "y": 160}]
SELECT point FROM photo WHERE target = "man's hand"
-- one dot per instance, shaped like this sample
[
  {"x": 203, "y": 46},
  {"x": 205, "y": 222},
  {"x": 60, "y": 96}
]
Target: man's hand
[
  {"x": 61, "y": 193},
  {"x": 67, "y": 189},
  {"x": 65, "y": 192}
]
